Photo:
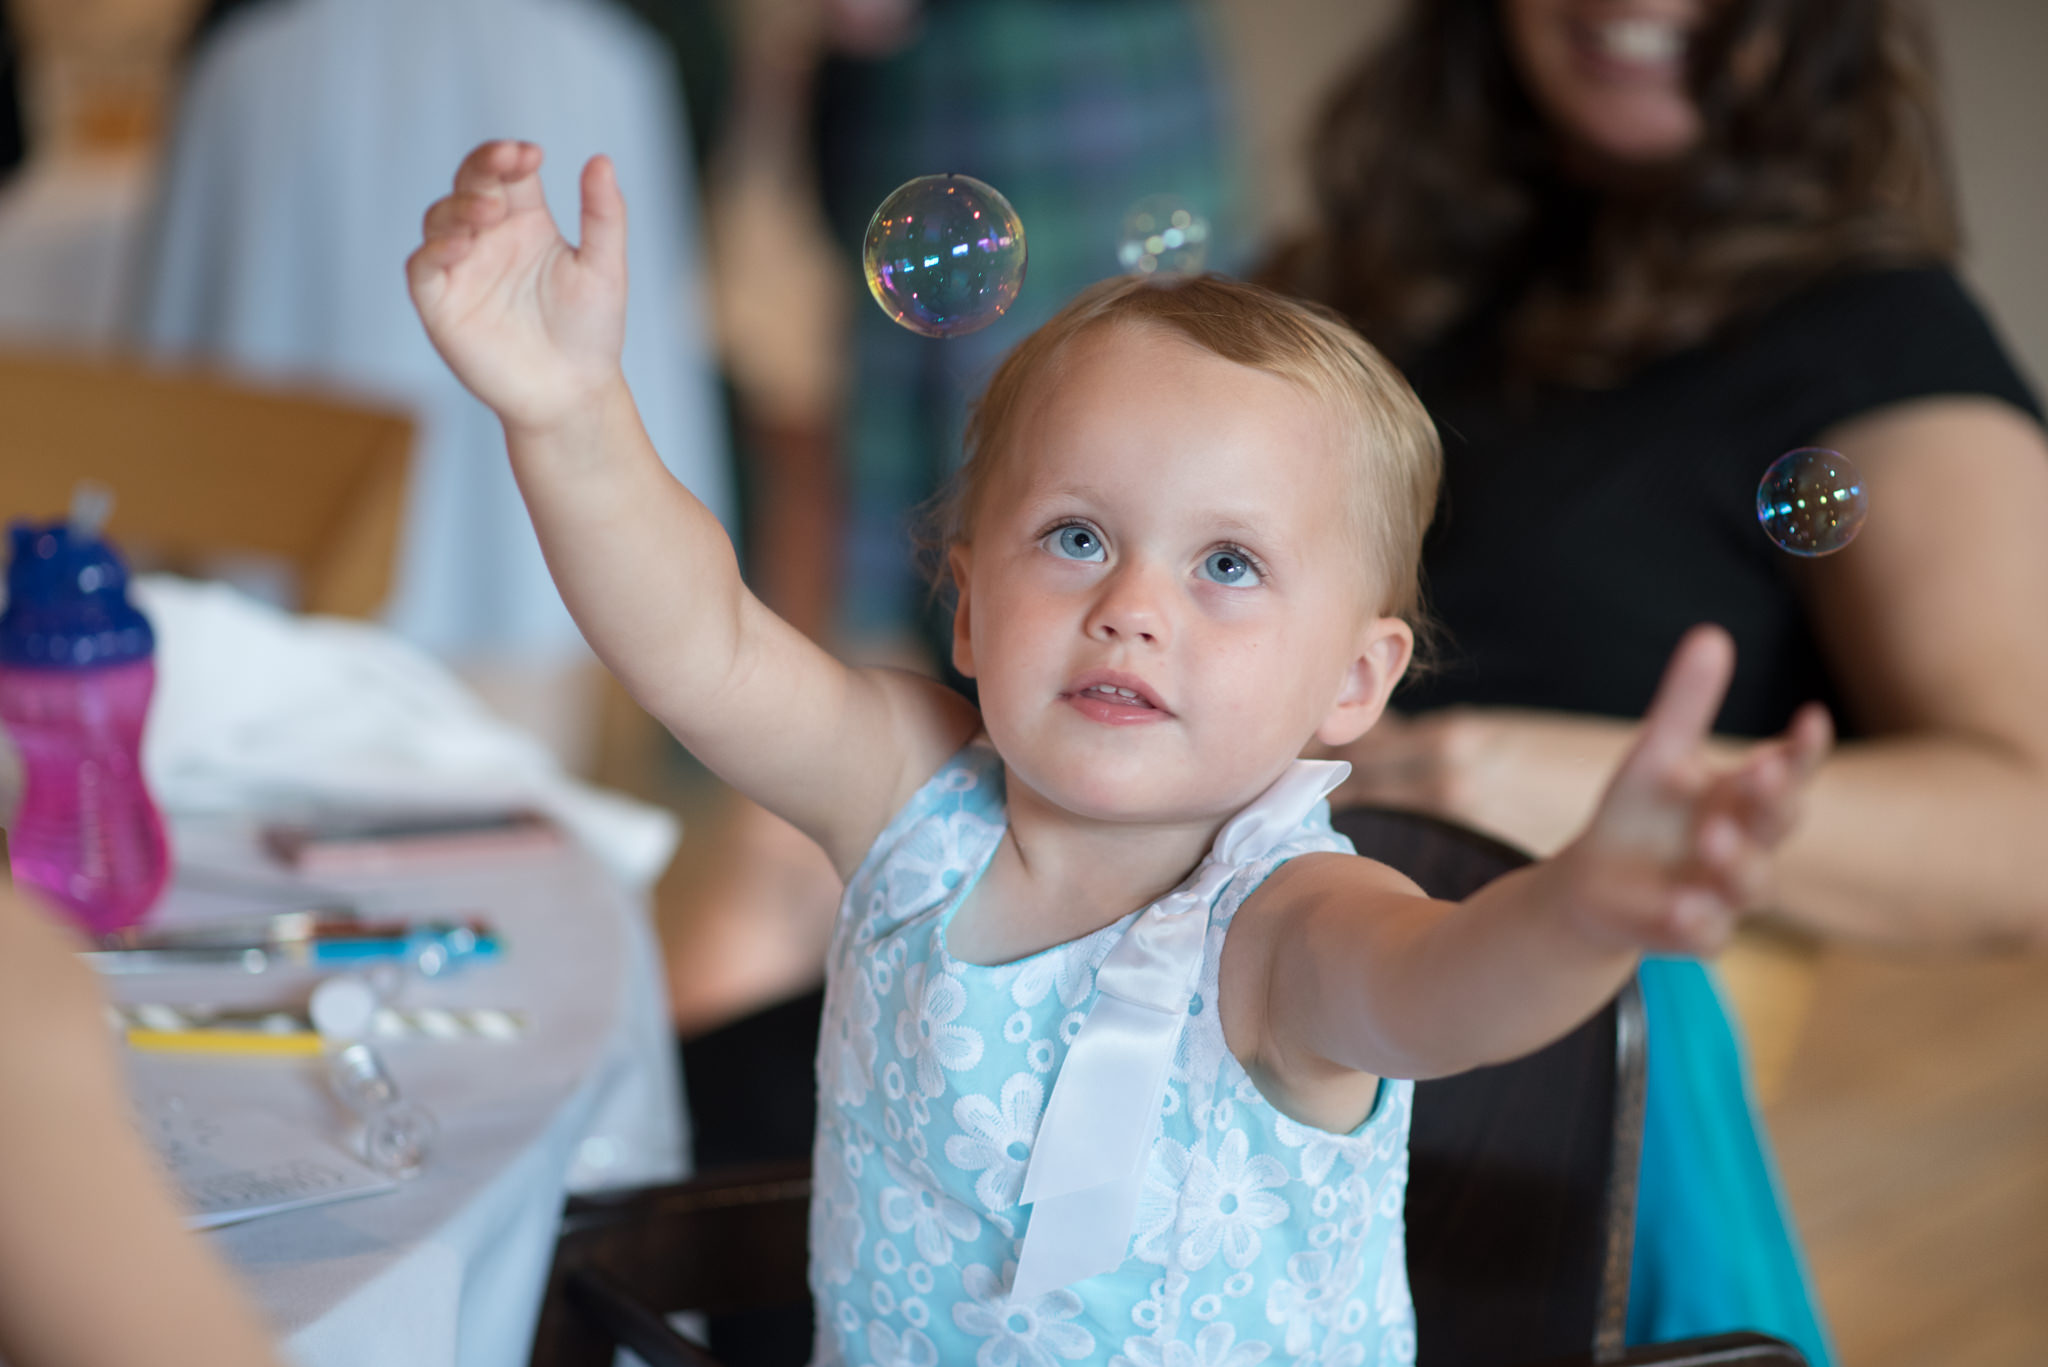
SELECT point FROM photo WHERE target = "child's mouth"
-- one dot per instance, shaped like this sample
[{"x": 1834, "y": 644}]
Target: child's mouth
[{"x": 1115, "y": 705}]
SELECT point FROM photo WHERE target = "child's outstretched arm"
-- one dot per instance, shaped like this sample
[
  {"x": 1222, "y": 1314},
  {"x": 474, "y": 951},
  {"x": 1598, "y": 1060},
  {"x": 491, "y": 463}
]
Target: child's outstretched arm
[
  {"x": 1352, "y": 970},
  {"x": 534, "y": 328}
]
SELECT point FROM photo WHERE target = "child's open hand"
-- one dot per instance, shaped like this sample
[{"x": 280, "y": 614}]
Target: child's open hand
[
  {"x": 1677, "y": 852},
  {"x": 532, "y": 325}
]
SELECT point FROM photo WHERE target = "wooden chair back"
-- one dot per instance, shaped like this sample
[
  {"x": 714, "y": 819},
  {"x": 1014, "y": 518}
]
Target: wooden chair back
[
  {"x": 201, "y": 466},
  {"x": 721, "y": 1243}
]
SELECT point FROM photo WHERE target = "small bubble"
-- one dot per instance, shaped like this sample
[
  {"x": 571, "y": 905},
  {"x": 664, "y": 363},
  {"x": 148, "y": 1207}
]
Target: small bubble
[
  {"x": 1811, "y": 501},
  {"x": 1163, "y": 236}
]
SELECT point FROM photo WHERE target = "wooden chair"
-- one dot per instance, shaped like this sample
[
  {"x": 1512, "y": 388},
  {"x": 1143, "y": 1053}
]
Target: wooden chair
[
  {"x": 1520, "y": 1213},
  {"x": 202, "y": 466}
]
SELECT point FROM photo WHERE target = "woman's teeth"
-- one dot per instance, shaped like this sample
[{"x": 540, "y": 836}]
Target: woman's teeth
[{"x": 1640, "y": 40}]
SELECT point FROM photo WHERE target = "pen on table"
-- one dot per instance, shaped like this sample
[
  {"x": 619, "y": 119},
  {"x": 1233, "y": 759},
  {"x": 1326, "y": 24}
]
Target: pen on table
[
  {"x": 277, "y": 927},
  {"x": 247, "y": 1043},
  {"x": 297, "y": 940},
  {"x": 161, "y": 1028}
]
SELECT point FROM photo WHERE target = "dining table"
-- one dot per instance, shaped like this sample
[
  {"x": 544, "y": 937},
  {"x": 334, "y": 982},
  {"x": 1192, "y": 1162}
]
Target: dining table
[{"x": 448, "y": 1267}]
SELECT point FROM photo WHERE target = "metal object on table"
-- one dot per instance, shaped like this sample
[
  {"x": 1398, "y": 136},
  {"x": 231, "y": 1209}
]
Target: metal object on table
[{"x": 396, "y": 1135}]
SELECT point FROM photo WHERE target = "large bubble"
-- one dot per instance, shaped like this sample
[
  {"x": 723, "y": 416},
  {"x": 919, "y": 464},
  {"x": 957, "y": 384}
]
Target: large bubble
[
  {"x": 1163, "y": 235},
  {"x": 944, "y": 255},
  {"x": 1811, "y": 501}
]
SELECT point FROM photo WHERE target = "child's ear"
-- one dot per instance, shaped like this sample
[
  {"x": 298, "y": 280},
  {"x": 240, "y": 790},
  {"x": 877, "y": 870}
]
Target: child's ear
[
  {"x": 1382, "y": 656},
  {"x": 959, "y": 560}
]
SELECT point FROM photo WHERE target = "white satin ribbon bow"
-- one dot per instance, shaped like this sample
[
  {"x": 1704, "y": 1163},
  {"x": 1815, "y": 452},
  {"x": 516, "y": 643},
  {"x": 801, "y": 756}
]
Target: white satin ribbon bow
[{"x": 1088, "y": 1163}]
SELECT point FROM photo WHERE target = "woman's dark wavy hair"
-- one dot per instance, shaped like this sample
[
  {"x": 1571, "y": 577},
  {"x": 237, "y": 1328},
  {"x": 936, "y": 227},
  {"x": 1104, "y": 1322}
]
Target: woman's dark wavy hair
[{"x": 1440, "y": 191}]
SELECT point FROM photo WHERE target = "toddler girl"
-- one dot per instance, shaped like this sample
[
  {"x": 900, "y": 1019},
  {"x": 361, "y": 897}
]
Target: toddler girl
[{"x": 1118, "y": 1034}]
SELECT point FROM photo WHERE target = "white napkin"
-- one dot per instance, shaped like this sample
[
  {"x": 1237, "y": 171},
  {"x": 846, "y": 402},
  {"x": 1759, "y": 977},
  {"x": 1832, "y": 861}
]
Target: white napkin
[{"x": 257, "y": 709}]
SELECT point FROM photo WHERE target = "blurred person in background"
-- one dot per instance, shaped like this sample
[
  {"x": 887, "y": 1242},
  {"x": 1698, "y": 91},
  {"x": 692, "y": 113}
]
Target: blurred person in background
[
  {"x": 13, "y": 138},
  {"x": 1073, "y": 109},
  {"x": 1629, "y": 252},
  {"x": 308, "y": 138},
  {"x": 96, "y": 1266}
]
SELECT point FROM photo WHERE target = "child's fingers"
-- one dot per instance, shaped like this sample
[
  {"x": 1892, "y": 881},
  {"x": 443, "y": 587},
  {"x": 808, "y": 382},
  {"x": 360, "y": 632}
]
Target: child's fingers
[
  {"x": 433, "y": 259},
  {"x": 1720, "y": 841},
  {"x": 1683, "y": 710},
  {"x": 602, "y": 236},
  {"x": 498, "y": 162},
  {"x": 1808, "y": 739},
  {"x": 1738, "y": 823},
  {"x": 1682, "y": 918},
  {"x": 1767, "y": 791},
  {"x": 1763, "y": 795},
  {"x": 462, "y": 212},
  {"x": 503, "y": 168},
  {"x": 1733, "y": 862},
  {"x": 1645, "y": 904},
  {"x": 1699, "y": 923}
]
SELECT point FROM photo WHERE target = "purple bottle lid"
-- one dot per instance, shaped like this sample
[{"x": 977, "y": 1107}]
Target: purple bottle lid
[{"x": 67, "y": 602}]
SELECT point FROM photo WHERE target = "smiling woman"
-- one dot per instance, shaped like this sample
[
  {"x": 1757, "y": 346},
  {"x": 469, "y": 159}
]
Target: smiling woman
[
  {"x": 1614, "y": 180},
  {"x": 1612, "y": 77}
]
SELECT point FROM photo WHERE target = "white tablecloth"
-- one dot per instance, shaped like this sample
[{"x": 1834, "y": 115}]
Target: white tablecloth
[{"x": 449, "y": 1268}]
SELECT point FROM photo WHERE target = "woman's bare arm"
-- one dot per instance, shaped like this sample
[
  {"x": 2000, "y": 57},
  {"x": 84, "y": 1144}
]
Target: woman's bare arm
[
  {"x": 1928, "y": 829},
  {"x": 1936, "y": 828}
]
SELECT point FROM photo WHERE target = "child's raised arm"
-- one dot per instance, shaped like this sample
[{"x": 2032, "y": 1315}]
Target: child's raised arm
[
  {"x": 1348, "y": 969},
  {"x": 534, "y": 328}
]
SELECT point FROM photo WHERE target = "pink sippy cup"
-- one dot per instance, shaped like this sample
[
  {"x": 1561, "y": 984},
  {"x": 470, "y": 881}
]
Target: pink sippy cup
[{"x": 76, "y": 672}]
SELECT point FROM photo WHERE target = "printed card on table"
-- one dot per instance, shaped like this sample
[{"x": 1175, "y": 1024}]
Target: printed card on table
[{"x": 243, "y": 1165}]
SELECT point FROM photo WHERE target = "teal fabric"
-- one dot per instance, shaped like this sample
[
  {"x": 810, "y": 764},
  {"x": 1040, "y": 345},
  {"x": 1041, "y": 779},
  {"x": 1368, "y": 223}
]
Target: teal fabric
[{"x": 1714, "y": 1249}]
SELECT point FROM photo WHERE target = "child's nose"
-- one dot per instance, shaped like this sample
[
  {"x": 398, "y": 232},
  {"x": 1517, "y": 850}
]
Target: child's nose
[{"x": 1131, "y": 608}]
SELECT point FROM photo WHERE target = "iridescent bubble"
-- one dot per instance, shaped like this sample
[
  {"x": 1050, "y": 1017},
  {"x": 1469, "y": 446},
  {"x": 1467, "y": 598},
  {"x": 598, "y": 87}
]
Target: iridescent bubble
[
  {"x": 944, "y": 255},
  {"x": 1163, "y": 235},
  {"x": 1811, "y": 501}
]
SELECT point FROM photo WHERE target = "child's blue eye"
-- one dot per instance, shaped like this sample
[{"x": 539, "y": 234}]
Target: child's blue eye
[
  {"x": 1075, "y": 543},
  {"x": 1229, "y": 567}
]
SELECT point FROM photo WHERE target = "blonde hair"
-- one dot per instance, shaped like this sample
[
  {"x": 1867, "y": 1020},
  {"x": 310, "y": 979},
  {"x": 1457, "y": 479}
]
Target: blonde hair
[{"x": 1391, "y": 442}]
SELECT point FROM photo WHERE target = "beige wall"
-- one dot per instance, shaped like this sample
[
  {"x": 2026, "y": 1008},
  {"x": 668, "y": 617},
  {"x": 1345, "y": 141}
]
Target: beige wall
[
  {"x": 1994, "y": 57},
  {"x": 1284, "y": 53}
]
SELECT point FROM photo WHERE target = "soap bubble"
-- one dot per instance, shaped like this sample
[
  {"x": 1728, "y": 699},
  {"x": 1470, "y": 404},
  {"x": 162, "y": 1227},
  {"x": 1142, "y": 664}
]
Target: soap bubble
[
  {"x": 1811, "y": 501},
  {"x": 944, "y": 255},
  {"x": 1163, "y": 235}
]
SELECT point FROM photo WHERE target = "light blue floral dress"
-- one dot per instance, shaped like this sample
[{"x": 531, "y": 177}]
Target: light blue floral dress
[{"x": 1257, "y": 1239}]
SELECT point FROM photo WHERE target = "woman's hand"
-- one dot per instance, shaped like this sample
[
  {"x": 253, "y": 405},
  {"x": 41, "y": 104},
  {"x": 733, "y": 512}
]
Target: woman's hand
[
  {"x": 530, "y": 324},
  {"x": 1680, "y": 847}
]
